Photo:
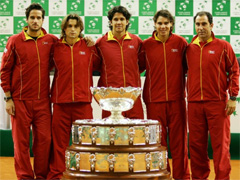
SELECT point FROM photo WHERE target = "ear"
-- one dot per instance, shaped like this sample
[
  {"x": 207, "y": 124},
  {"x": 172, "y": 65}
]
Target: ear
[
  {"x": 211, "y": 26},
  {"x": 155, "y": 25},
  {"x": 127, "y": 22}
]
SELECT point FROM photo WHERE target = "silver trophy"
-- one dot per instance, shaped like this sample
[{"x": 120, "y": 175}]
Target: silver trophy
[{"x": 116, "y": 100}]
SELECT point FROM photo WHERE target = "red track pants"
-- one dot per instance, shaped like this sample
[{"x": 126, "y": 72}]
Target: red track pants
[
  {"x": 38, "y": 114},
  {"x": 172, "y": 116},
  {"x": 64, "y": 115},
  {"x": 209, "y": 117}
]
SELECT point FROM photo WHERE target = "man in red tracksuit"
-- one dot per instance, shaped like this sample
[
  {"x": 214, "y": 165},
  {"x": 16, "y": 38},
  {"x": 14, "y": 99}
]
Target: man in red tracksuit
[
  {"x": 71, "y": 94},
  {"x": 164, "y": 89},
  {"x": 25, "y": 81},
  {"x": 119, "y": 50},
  {"x": 212, "y": 70}
]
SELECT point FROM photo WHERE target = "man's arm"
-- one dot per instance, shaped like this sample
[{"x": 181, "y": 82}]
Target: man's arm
[
  {"x": 96, "y": 59},
  {"x": 8, "y": 60},
  {"x": 142, "y": 60},
  {"x": 232, "y": 68}
]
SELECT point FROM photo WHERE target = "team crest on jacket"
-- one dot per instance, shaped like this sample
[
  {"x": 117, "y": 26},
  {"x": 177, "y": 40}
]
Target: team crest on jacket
[
  {"x": 44, "y": 42},
  {"x": 211, "y": 52},
  {"x": 130, "y": 46},
  {"x": 82, "y": 52},
  {"x": 174, "y": 50}
]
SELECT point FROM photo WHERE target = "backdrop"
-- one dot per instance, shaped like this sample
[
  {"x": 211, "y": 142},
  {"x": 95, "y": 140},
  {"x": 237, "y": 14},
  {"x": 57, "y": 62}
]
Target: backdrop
[{"x": 226, "y": 18}]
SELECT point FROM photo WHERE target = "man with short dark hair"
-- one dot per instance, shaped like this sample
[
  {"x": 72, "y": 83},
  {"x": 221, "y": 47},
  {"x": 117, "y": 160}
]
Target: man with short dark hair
[
  {"x": 212, "y": 71},
  {"x": 25, "y": 81},
  {"x": 119, "y": 51}
]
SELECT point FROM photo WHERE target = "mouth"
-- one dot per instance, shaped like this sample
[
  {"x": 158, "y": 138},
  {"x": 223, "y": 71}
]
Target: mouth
[{"x": 162, "y": 31}]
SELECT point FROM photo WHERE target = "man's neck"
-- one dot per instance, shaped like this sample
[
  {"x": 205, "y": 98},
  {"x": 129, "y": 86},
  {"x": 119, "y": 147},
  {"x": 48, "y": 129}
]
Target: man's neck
[
  {"x": 33, "y": 33},
  {"x": 71, "y": 41},
  {"x": 118, "y": 35},
  {"x": 163, "y": 38},
  {"x": 204, "y": 39}
]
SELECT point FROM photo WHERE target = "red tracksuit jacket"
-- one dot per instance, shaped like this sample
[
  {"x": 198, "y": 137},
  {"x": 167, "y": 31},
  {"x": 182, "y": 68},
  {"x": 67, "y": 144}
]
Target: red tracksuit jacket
[
  {"x": 165, "y": 80},
  {"x": 119, "y": 60},
  {"x": 25, "y": 66},
  {"x": 212, "y": 70},
  {"x": 73, "y": 75}
]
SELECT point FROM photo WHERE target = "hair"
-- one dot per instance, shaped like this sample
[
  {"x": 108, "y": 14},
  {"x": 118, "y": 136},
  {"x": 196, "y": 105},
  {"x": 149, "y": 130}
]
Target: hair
[
  {"x": 204, "y": 13},
  {"x": 118, "y": 9},
  {"x": 166, "y": 14},
  {"x": 32, "y": 7},
  {"x": 65, "y": 24}
]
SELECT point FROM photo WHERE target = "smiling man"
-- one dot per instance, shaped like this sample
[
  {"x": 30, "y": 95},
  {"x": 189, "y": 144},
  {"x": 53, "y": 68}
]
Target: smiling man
[
  {"x": 119, "y": 51},
  {"x": 212, "y": 71},
  {"x": 25, "y": 81},
  {"x": 162, "y": 55}
]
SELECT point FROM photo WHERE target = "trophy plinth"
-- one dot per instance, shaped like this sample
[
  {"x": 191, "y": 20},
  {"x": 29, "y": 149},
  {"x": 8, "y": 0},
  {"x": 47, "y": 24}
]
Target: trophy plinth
[
  {"x": 116, "y": 100},
  {"x": 116, "y": 147}
]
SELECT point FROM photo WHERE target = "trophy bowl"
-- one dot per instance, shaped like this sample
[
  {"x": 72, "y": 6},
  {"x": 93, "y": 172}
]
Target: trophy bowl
[{"x": 116, "y": 100}]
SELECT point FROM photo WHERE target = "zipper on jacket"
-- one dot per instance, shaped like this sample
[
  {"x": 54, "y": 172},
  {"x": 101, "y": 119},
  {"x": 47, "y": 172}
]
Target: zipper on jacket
[
  {"x": 201, "y": 86},
  {"x": 39, "y": 70},
  {"x": 165, "y": 65},
  {"x": 124, "y": 78},
  {"x": 201, "y": 74},
  {"x": 72, "y": 72}
]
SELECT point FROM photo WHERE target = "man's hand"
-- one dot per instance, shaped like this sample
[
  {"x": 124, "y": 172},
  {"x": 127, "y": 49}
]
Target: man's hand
[
  {"x": 10, "y": 107},
  {"x": 89, "y": 41},
  {"x": 230, "y": 107}
]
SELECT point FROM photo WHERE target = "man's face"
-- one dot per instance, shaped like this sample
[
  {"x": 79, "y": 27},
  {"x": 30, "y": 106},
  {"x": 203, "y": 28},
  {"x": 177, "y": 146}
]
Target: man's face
[
  {"x": 163, "y": 26},
  {"x": 35, "y": 20},
  {"x": 72, "y": 30},
  {"x": 203, "y": 27},
  {"x": 119, "y": 23}
]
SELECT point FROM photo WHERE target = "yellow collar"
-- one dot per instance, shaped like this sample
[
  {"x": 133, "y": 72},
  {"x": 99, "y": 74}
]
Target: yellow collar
[
  {"x": 64, "y": 41},
  {"x": 29, "y": 37},
  {"x": 111, "y": 36},
  {"x": 156, "y": 38},
  {"x": 197, "y": 41}
]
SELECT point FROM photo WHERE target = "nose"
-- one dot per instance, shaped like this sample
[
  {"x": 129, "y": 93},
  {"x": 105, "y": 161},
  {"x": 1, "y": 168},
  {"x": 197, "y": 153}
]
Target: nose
[
  {"x": 163, "y": 26},
  {"x": 200, "y": 27}
]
